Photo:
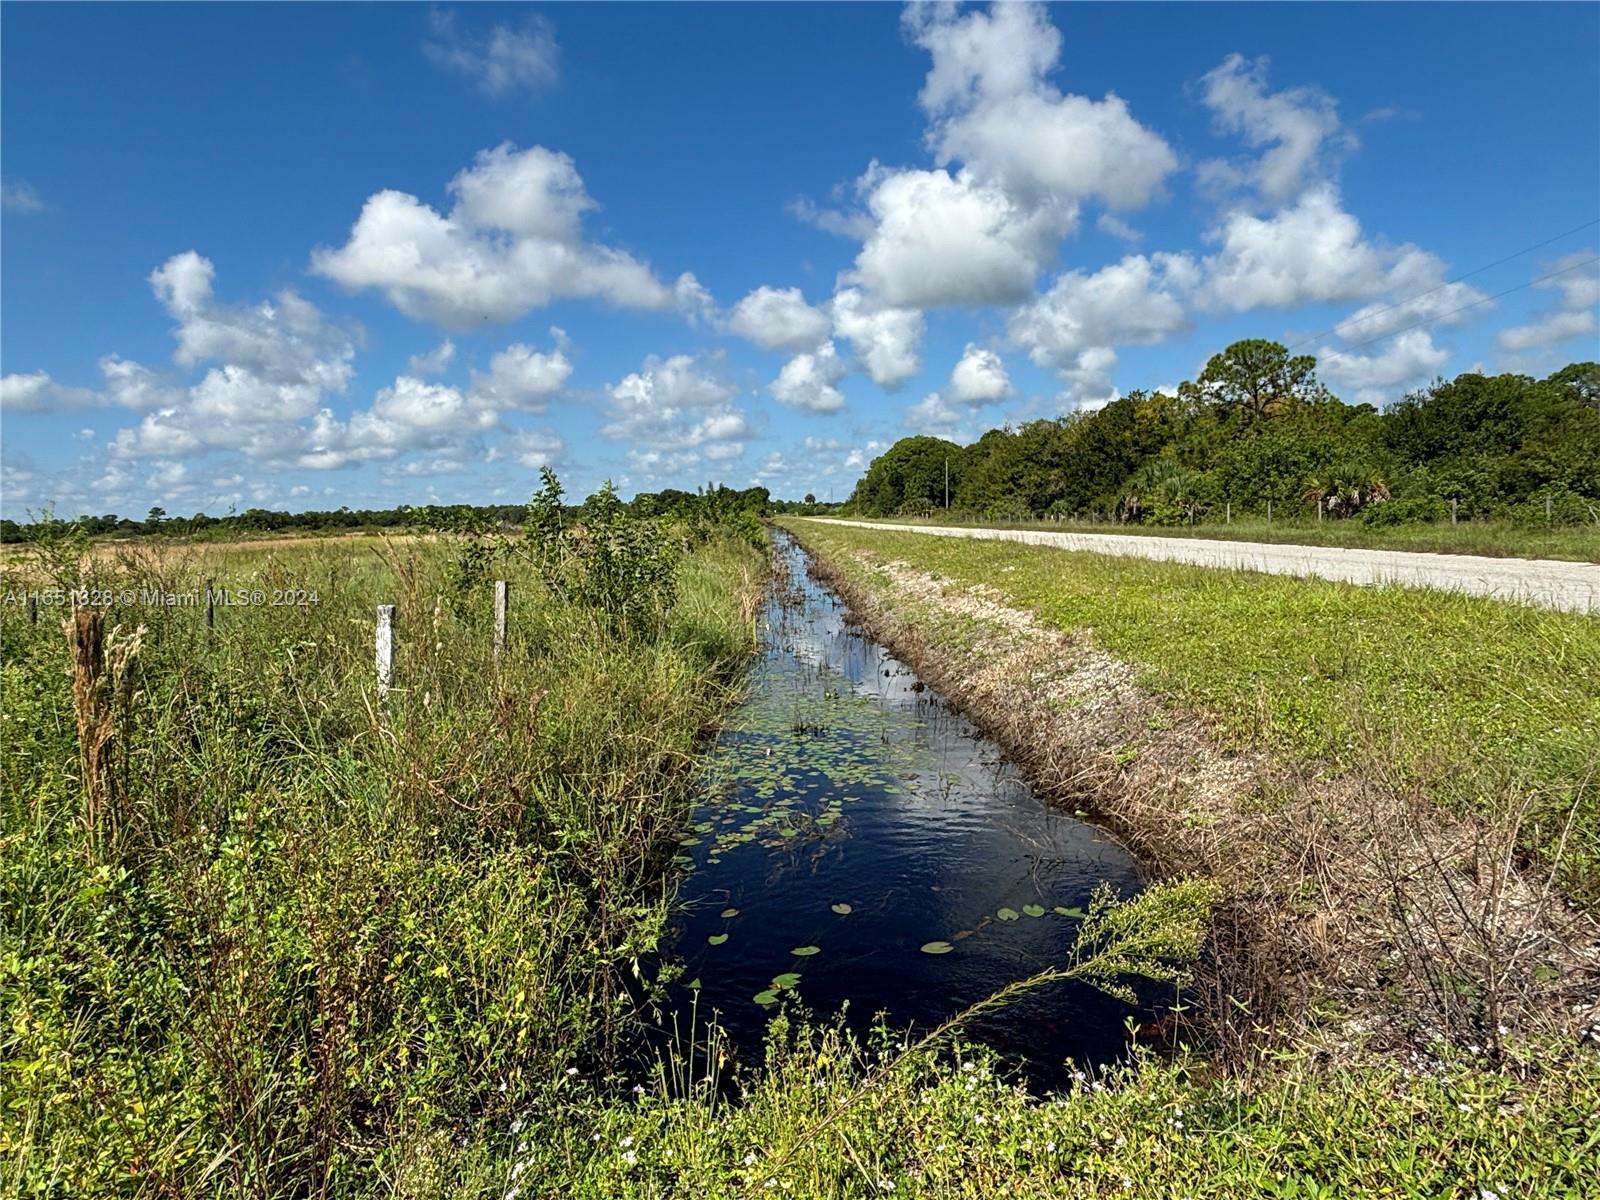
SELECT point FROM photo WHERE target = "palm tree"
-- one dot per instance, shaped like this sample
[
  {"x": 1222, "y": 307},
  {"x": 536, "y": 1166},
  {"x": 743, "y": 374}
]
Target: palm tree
[{"x": 1345, "y": 489}]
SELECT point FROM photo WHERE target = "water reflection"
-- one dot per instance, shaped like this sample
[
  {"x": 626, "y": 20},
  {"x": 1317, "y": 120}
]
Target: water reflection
[{"x": 854, "y": 817}]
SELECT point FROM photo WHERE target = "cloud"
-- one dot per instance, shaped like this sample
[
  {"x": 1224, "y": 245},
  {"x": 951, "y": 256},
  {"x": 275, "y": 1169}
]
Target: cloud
[
  {"x": 779, "y": 319},
  {"x": 947, "y": 239},
  {"x": 991, "y": 109},
  {"x": 679, "y": 406},
  {"x": 534, "y": 448},
  {"x": 1407, "y": 360},
  {"x": 1572, "y": 316},
  {"x": 504, "y": 60},
  {"x": 270, "y": 369},
  {"x": 1139, "y": 300},
  {"x": 855, "y": 226},
  {"x": 36, "y": 391},
  {"x": 1313, "y": 252},
  {"x": 977, "y": 380},
  {"x": 979, "y": 377},
  {"x": 511, "y": 242},
  {"x": 435, "y": 362},
  {"x": 17, "y": 196},
  {"x": 1299, "y": 128},
  {"x": 521, "y": 377},
  {"x": 1444, "y": 304},
  {"x": 1106, "y": 223},
  {"x": 809, "y": 381},
  {"x": 884, "y": 339}
]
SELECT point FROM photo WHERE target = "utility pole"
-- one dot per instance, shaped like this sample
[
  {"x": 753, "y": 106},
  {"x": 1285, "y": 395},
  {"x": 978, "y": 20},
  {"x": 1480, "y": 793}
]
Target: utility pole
[{"x": 947, "y": 482}]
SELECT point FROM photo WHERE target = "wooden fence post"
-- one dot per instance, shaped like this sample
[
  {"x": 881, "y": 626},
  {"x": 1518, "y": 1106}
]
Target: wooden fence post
[
  {"x": 502, "y": 590},
  {"x": 385, "y": 649},
  {"x": 1452, "y": 510},
  {"x": 1269, "y": 512},
  {"x": 1227, "y": 513}
]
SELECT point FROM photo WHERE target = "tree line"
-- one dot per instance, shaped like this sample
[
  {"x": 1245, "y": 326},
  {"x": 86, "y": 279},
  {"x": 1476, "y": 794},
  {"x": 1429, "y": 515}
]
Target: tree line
[
  {"x": 1258, "y": 428},
  {"x": 712, "y": 503}
]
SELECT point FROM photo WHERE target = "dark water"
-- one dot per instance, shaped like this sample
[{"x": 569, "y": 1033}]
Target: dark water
[{"x": 844, "y": 780}]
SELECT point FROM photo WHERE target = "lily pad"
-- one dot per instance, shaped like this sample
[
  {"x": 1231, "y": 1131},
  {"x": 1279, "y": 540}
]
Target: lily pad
[
  {"x": 805, "y": 951},
  {"x": 786, "y": 981},
  {"x": 1069, "y": 912},
  {"x": 937, "y": 947},
  {"x": 716, "y": 939},
  {"x": 729, "y": 912},
  {"x": 766, "y": 999},
  {"x": 1033, "y": 910},
  {"x": 843, "y": 910},
  {"x": 1008, "y": 914}
]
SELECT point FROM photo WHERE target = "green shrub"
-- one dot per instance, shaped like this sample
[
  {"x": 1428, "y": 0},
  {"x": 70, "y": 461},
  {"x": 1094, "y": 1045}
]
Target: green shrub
[{"x": 1410, "y": 510}]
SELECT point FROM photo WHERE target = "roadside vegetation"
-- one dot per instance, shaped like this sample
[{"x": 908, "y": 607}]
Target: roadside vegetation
[
  {"x": 1458, "y": 695},
  {"x": 1396, "y": 792},
  {"x": 1258, "y": 438},
  {"x": 1492, "y": 538},
  {"x": 268, "y": 934}
]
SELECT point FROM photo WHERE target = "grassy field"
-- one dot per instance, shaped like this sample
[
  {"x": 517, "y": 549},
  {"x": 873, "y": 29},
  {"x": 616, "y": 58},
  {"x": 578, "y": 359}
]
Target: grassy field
[
  {"x": 303, "y": 942},
  {"x": 1496, "y": 539},
  {"x": 1462, "y": 693},
  {"x": 298, "y": 942}
]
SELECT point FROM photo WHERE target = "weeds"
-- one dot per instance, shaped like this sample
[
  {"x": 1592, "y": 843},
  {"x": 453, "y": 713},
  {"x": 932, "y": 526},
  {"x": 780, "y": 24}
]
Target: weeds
[{"x": 312, "y": 942}]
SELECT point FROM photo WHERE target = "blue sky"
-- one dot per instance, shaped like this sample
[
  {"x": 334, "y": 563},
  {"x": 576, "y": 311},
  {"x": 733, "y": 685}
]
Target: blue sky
[{"x": 313, "y": 255}]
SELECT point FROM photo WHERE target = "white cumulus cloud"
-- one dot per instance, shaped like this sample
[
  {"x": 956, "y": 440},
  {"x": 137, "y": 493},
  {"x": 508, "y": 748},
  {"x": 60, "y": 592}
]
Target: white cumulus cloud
[
  {"x": 810, "y": 381},
  {"x": 511, "y": 242},
  {"x": 779, "y": 319}
]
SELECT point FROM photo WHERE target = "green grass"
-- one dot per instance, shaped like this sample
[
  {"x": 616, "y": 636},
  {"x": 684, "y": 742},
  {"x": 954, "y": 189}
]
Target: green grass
[
  {"x": 1498, "y": 539},
  {"x": 322, "y": 947},
  {"x": 1467, "y": 696},
  {"x": 949, "y": 1126},
  {"x": 313, "y": 940}
]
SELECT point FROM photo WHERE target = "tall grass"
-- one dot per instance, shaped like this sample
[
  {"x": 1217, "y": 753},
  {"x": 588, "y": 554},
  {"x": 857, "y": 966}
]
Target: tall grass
[{"x": 334, "y": 940}]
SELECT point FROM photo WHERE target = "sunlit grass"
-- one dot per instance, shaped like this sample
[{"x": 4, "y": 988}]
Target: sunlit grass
[
  {"x": 1459, "y": 692},
  {"x": 1498, "y": 539}
]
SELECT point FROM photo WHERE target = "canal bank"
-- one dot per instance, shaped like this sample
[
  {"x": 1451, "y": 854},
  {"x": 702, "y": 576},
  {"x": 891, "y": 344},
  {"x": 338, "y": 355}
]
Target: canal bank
[
  {"x": 1351, "y": 901},
  {"x": 864, "y": 850}
]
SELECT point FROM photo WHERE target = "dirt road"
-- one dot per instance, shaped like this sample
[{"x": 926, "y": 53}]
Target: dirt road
[{"x": 1568, "y": 586}]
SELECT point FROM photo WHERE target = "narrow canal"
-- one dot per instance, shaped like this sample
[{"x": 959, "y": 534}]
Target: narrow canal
[{"x": 862, "y": 844}]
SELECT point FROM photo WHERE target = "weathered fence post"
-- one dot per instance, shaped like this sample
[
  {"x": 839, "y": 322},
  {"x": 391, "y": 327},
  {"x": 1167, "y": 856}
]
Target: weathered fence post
[
  {"x": 1547, "y": 510},
  {"x": 502, "y": 590},
  {"x": 1227, "y": 513},
  {"x": 1319, "y": 510},
  {"x": 1452, "y": 510},
  {"x": 385, "y": 649},
  {"x": 1269, "y": 512}
]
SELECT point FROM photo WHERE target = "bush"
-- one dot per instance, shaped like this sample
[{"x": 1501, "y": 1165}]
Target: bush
[
  {"x": 1412, "y": 510},
  {"x": 1556, "y": 507}
]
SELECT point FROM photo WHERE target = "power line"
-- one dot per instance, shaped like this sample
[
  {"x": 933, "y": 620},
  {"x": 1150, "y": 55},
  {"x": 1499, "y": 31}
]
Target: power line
[
  {"x": 1481, "y": 300},
  {"x": 1447, "y": 283}
]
